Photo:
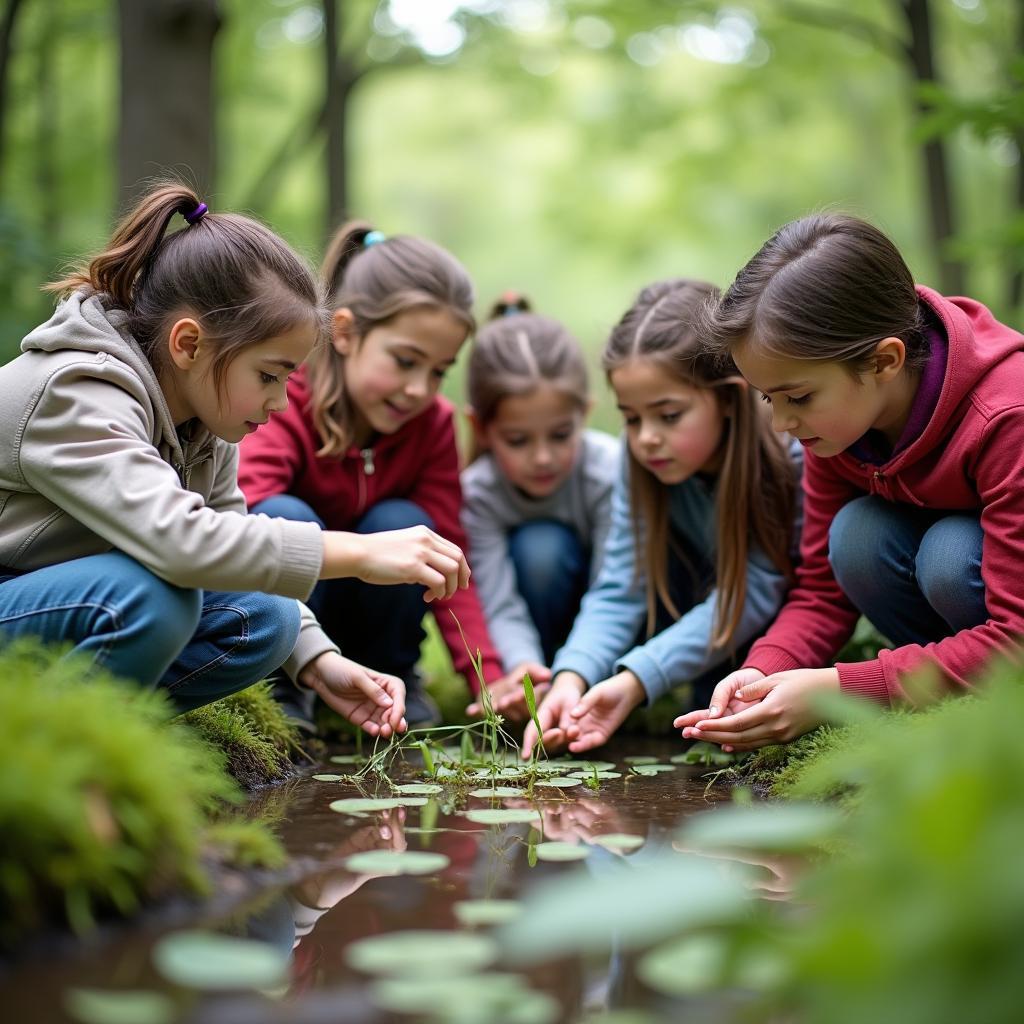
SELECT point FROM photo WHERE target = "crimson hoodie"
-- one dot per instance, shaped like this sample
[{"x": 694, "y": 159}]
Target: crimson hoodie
[
  {"x": 419, "y": 462},
  {"x": 968, "y": 459}
]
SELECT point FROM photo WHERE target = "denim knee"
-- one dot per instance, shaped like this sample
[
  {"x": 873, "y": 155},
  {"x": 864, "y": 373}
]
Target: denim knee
[
  {"x": 286, "y": 506},
  {"x": 949, "y": 570},
  {"x": 545, "y": 553},
  {"x": 273, "y": 629},
  {"x": 394, "y": 514}
]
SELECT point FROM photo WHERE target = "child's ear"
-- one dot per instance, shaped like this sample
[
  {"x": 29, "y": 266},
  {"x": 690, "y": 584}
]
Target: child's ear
[
  {"x": 889, "y": 359},
  {"x": 476, "y": 426},
  {"x": 343, "y": 331},
  {"x": 183, "y": 343}
]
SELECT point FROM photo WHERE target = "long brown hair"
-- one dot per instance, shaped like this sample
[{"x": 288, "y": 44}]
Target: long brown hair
[
  {"x": 827, "y": 287},
  {"x": 377, "y": 279},
  {"x": 756, "y": 492},
  {"x": 242, "y": 282},
  {"x": 517, "y": 351}
]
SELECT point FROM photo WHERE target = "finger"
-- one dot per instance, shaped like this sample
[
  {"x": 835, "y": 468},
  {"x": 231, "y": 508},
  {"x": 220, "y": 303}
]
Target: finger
[
  {"x": 758, "y": 732},
  {"x": 370, "y": 686},
  {"x": 586, "y": 702},
  {"x": 721, "y": 696},
  {"x": 529, "y": 740},
  {"x": 756, "y": 690},
  {"x": 690, "y": 718},
  {"x": 554, "y": 739},
  {"x": 474, "y": 709},
  {"x": 449, "y": 570},
  {"x": 732, "y": 724},
  {"x": 587, "y": 741},
  {"x": 431, "y": 579}
]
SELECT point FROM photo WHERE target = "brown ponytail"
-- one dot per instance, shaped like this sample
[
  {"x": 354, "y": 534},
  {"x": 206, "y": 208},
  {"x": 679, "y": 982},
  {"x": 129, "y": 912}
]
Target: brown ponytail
[{"x": 240, "y": 280}]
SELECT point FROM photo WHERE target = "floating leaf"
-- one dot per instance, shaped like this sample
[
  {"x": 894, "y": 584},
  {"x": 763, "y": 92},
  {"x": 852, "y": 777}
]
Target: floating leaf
[
  {"x": 422, "y": 954},
  {"x": 785, "y": 827},
  {"x": 495, "y": 998},
  {"x": 484, "y": 912},
  {"x": 502, "y": 815},
  {"x": 119, "y": 1006},
  {"x": 205, "y": 960},
  {"x": 498, "y": 791},
  {"x": 420, "y": 788},
  {"x": 562, "y": 851},
  {"x": 640, "y": 759},
  {"x": 396, "y": 862},
  {"x": 360, "y": 805},
  {"x": 603, "y": 775},
  {"x": 328, "y": 778},
  {"x": 706, "y": 753},
  {"x": 566, "y": 782},
  {"x": 347, "y": 759},
  {"x": 653, "y": 769},
  {"x": 619, "y": 841},
  {"x": 684, "y": 967}
]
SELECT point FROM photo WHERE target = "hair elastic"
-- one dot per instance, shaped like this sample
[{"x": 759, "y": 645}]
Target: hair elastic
[
  {"x": 372, "y": 238},
  {"x": 197, "y": 214}
]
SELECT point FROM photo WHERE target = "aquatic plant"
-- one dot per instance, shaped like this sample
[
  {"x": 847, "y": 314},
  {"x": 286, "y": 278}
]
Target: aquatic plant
[{"x": 105, "y": 803}]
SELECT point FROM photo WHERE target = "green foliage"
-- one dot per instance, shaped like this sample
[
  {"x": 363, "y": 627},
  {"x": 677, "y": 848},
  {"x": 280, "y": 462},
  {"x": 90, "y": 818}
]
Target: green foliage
[
  {"x": 245, "y": 844},
  {"x": 103, "y": 804},
  {"x": 254, "y": 733}
]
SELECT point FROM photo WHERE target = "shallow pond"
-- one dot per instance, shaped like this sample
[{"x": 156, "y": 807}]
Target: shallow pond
[{"x": 340, "y": 893}]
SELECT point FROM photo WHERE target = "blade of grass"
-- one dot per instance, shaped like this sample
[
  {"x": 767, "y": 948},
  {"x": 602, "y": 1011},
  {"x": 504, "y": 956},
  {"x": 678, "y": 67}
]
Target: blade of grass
[{"x": 531, "y": 706}]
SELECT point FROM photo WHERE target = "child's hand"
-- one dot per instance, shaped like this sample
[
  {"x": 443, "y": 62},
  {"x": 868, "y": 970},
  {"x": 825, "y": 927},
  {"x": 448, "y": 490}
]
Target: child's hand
[
  {"x": 507, "y": 695},
  {"x": 553, "y": 714},
  {"x": 414, "y": 555},
  {"x": 780, "y": 707},
  {"x": 601, "y": 710},
  {"x": 723, "y": 700},
  {"x": 367, "y": 698}
]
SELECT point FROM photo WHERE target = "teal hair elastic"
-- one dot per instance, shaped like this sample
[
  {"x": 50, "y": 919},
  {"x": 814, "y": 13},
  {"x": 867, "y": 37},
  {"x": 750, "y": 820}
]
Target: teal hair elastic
[{"x": 372, "y": 238}]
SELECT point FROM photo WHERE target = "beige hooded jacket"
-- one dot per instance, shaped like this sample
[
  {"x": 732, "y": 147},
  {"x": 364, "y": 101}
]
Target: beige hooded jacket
[{"x": 90, "y": 460}]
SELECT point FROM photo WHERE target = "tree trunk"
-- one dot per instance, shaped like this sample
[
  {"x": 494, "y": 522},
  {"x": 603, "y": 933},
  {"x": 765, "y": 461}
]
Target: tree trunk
[
  {"x": 10, "y": 17},
  {"x": 334, "y": 116},
  {"x": 941, "y": 221},
  {"x": 47, "y": 134},
  {"x": 167, "y": 104}
]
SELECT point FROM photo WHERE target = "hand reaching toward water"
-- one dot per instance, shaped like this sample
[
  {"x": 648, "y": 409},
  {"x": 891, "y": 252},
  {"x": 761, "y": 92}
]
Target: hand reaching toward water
[
  {"x": 507, "y": 695},
  {"x": 372, "y": 700}
]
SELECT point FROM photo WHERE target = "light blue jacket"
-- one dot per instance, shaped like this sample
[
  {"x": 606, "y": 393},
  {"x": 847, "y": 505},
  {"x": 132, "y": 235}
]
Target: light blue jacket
[{"x": 614, "y": 610}]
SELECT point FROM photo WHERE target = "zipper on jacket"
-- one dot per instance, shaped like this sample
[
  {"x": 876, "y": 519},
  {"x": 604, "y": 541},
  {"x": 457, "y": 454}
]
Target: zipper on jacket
[{"x": 368, "y": 467}]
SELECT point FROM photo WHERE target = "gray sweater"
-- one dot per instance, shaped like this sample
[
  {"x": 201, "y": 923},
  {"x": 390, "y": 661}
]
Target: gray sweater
[
  {"x": 604, "y": 636},
  {"x": 492, "y": 508}
]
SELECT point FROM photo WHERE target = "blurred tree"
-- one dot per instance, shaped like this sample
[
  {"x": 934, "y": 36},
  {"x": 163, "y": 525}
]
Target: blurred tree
[
  {"x": 7, "y": 24},
  {"x": 167, "y": 101}
]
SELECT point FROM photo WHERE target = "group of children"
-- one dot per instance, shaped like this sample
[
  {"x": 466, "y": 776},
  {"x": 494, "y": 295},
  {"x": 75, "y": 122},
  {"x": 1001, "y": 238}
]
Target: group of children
[{"x": 215, "y": 467}]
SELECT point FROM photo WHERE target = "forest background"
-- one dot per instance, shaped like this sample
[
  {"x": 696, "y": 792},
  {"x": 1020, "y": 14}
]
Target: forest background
[{"x": 573, "y": 150}]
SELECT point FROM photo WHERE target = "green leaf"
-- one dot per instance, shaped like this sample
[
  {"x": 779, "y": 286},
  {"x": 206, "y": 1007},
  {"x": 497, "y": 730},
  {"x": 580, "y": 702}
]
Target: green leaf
[
  {"x": 788, "y": 827},
  {"x": 562, "y": 851},
  {"x": 485, "y": 912},
  {"x": 502, "y": 815},
  {"x": 361, "y": 805},
  {"x": 428, "y": 761},
  {"x": 127, "y": 1006},
  {"x": 396, "y": 862},
  {"x": 685, "y": 967},
  {"x": 422, "y": 954}
]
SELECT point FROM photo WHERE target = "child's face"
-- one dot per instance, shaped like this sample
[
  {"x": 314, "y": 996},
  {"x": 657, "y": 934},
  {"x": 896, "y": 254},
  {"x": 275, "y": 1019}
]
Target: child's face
[
  {"x": 821, "y": 404},
  {"x": 673, "y": 429},
  {"x": 535, "y": 439},
  {"x": 253, "y": 386},
  {"x": 394, "y": 371}
]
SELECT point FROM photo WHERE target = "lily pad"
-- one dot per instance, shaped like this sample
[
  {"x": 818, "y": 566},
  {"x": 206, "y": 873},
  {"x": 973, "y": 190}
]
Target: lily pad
[
  {"x": 684, "y": 967},
  {"x": 347, "y": 759},
  {"x": 562, "y": 851},
  {"x": 602, "y": 775},
  {"x": 498, "y": 791},
  {"x": 360, "y": 805},
  {"x": 564, "y": 782},
  {"x": 653, "y": 769},
  {"x": 205, "y": 960},
  {"x": 119, "y": 1006},
  {"x": 328, "y": 778},
  {"x": 704, "y": 753},
  {"x": 396, "y": 862},
  {"x": 619, "y": 841},
  {"x": 422, "y": 954},
  {"x": 483, "y": 912},
  {"x": 496, "y": 998},
  {"x": 420, "y": 788},
  {"x": 502, "y": 815},
  {"x": 640, "y": 759},
  {"x": 787, "y": 827}
]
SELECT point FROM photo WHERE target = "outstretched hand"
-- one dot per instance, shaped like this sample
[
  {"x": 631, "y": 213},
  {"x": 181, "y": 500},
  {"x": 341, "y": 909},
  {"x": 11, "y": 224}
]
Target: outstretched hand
[
  {"x": 553, "y": 714},
  {"x": 372, "y": 700},
  {"x": 769, "y": 709},
  {"x": 601, "y": 710},
  {"x": 507, "y": 695}
]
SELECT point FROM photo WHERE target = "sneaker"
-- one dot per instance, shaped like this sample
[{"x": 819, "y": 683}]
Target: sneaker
[
  {"x": 421, "y": 711},
  {"x": 297, "y": 705}
]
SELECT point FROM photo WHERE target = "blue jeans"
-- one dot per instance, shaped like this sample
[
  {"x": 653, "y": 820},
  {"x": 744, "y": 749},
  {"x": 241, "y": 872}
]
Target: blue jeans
[
  {"x": 915, "y": 574},
  {"x": 374, "y": 625},
  {"x": 552, "y": 568},
  {"x": 195, "y": 645}
]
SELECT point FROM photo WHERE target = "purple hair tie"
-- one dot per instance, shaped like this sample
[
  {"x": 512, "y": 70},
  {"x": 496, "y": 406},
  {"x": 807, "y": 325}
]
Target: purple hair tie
[{"x": 197, "y": 214}]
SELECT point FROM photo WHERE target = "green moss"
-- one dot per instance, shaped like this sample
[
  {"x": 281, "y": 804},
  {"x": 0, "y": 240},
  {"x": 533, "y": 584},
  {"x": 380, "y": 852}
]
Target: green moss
[
  {"x": 103, "y": 802},
  {"x": 255, "y": 735},
  {"x": 245, "y": 844}
]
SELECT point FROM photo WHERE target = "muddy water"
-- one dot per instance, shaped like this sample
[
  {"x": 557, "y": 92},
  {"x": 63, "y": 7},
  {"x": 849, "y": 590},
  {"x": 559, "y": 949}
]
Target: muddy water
[{"x": 325, "y": 907}]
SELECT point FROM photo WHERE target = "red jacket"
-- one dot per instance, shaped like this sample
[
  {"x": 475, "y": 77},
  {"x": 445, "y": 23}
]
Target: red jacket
[
  {"x": 969, "y": 458},
  {"x": 419, "y": 462}
]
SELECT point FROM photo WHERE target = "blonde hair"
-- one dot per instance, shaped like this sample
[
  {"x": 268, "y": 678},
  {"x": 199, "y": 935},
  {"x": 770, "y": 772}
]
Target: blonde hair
[
  {"x": 659, "y": 327},
  {"x": 378, "y": 282},
  {"x": 516, "y": 352}
]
